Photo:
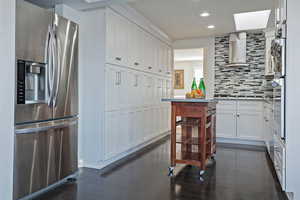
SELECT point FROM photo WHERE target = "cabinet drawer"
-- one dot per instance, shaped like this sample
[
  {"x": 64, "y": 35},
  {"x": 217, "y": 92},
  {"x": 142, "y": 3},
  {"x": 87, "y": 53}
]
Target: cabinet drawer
[
  {"x": 189, "y": 111},
  {"x": 226, "y": 105}
]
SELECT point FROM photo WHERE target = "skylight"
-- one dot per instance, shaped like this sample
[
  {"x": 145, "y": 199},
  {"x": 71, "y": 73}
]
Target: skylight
[{"x": 251, "y": 20}]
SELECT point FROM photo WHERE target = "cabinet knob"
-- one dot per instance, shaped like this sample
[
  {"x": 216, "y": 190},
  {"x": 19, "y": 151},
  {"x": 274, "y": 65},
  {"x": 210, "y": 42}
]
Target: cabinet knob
[
  {"x": 149, "y": 67},
  {"x": 118, "y": 58},
  {"x": 238, "y": 115},
  {"x": 136, "y": 63}
]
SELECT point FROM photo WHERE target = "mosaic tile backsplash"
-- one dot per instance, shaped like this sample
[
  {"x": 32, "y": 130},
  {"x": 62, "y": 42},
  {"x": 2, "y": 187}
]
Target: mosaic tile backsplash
[{"x": 241, "y": 81}]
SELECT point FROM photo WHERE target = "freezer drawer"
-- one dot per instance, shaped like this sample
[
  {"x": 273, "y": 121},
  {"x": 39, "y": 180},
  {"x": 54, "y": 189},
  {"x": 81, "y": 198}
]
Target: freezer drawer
[{"x": 44, "y": 154}]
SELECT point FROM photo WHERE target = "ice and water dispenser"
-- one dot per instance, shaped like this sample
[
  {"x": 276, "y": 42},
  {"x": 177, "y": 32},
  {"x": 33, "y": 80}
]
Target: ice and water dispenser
[{"x": 31, "y": 82}]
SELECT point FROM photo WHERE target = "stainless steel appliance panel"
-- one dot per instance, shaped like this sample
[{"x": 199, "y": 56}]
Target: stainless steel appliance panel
[
  {"x": 32, "y": 24},
  {"x": 31, "y": 31},
  {"x": 65, "y": 99},
  {"x": 30, "y": 166},
  {"x": 32, "y": 112},
  {"x": 44, "y": 154}
]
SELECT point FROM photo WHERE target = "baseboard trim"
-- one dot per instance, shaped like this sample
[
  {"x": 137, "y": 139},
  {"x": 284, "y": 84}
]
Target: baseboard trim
[
  {"x": 124, "y": 155},
  {"x": 241, "y": 141}
]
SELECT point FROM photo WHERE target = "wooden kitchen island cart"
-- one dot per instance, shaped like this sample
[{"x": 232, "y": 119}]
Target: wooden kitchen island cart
[{"x": 193, "y": 132}]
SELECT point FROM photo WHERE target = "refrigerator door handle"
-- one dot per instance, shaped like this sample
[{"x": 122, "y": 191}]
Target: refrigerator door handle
[
  {"x": 57, "y": 69},
  {"x": 51, "y": 63},
  {"x": 46, "y": 126}
]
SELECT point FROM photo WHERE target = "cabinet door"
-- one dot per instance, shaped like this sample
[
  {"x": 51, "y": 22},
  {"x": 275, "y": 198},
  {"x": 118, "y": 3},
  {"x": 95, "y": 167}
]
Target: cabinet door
[
  {"x": 153, "y": 54},
  {"x": 123, "y": 99},
  {"x": 131, "y": 89},
  {"x": 149, "y": 53},
  {"x": 156, "y": 55},
  {"x": 226, "y": 119},
  {"x": 165, "y": 59},
  {"x": 160, "y": 57},
  {"x": 123, "y": 132},
  {"x": 249, "y": 120},
  {"x": 169, "y": 61},
  {"x": 249, "y": 126},
  {"x": 112, "y": 85},
  {"x": 151, "y": 90},
  {"x": 111, "y": 139},
  {"x": 159, "y": 91},
  {"x": 131, "y": 128},
  {"x": 117, "y": 38},
  {"x": 136, "y": 45},
  {"x": 110, "y": 37},
  {"x": 226, "y": 124}
]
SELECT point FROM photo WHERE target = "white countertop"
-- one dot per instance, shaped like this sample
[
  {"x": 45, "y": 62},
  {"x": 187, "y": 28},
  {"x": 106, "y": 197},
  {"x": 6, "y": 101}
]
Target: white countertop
[{"x": 190, "y": 100}]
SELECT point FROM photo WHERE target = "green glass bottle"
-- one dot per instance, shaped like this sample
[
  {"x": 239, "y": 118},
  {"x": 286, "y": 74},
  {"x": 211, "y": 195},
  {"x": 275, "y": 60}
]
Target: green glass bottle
[
  {"x": 194, "y": 85},
  {"x": 202, "y": 87}
]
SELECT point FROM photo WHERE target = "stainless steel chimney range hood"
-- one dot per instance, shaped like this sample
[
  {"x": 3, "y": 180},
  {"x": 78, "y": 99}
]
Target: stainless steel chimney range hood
[{"x": 237, "y": 50}]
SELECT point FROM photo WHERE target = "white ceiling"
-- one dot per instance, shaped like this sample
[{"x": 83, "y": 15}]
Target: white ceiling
[
  {"x": 180, "y": 18},
  {"x": 188, "y": 55}
]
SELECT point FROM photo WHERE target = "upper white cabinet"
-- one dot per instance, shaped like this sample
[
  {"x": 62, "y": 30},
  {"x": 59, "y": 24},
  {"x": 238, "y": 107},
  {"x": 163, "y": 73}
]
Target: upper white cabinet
[
  {"x": 131, "y": 46},
  {"x": 117, "y": 35},
  {"x": 240, "y": 120}
]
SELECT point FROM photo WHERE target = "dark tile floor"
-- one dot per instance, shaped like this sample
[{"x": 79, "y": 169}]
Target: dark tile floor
[{"x": 238, "y": 174}]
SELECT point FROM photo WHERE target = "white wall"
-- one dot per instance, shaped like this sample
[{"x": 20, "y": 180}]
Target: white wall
[
  {"x": 7, "y": 91},
  {"x": 293, "y": 99},
  {"x": 92, "y": 92},
  {"x": 91, "y": 70},
  {"x": 189, "y": 68},
  {"x": 208, "y": 44}
]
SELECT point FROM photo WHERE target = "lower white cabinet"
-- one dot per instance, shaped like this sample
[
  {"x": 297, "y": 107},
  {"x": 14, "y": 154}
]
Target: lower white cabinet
[
  {"x": 226, "y": 119},
  {"x": 240, "y": 120},
  {"x": 249, "y": 126},
  {"x": 226, "y": 124}
]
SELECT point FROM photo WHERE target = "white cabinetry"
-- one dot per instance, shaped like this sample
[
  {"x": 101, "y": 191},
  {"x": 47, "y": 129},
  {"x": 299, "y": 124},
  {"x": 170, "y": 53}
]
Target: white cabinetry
[
  {"x": 240, "y": 120},
  {"x": 137, "y": 76},
  {"x": 121, "y": 85},
  {"x": 131, "y": 46}
]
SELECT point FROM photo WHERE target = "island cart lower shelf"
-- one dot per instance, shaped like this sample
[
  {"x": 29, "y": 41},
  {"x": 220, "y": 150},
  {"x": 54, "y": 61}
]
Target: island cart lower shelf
[{"x": 193, "y": 133}]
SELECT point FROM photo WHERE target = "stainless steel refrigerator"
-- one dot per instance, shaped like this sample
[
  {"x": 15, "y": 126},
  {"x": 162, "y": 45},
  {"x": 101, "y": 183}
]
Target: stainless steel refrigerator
[{"x": 46, "y": 108}]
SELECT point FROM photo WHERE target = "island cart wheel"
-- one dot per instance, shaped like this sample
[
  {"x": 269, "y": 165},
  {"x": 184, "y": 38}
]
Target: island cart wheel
[
  {"x": 171, "y": 171},
  {"x": 202, "y": 172}
]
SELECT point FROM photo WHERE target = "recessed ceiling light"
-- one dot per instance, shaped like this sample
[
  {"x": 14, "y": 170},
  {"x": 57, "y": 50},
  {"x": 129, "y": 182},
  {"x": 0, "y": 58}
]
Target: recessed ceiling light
[
  {"x": 211, "y": 26},
  {"x": 252, "y": 20},
  {"x": 205, "y": 14}
]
